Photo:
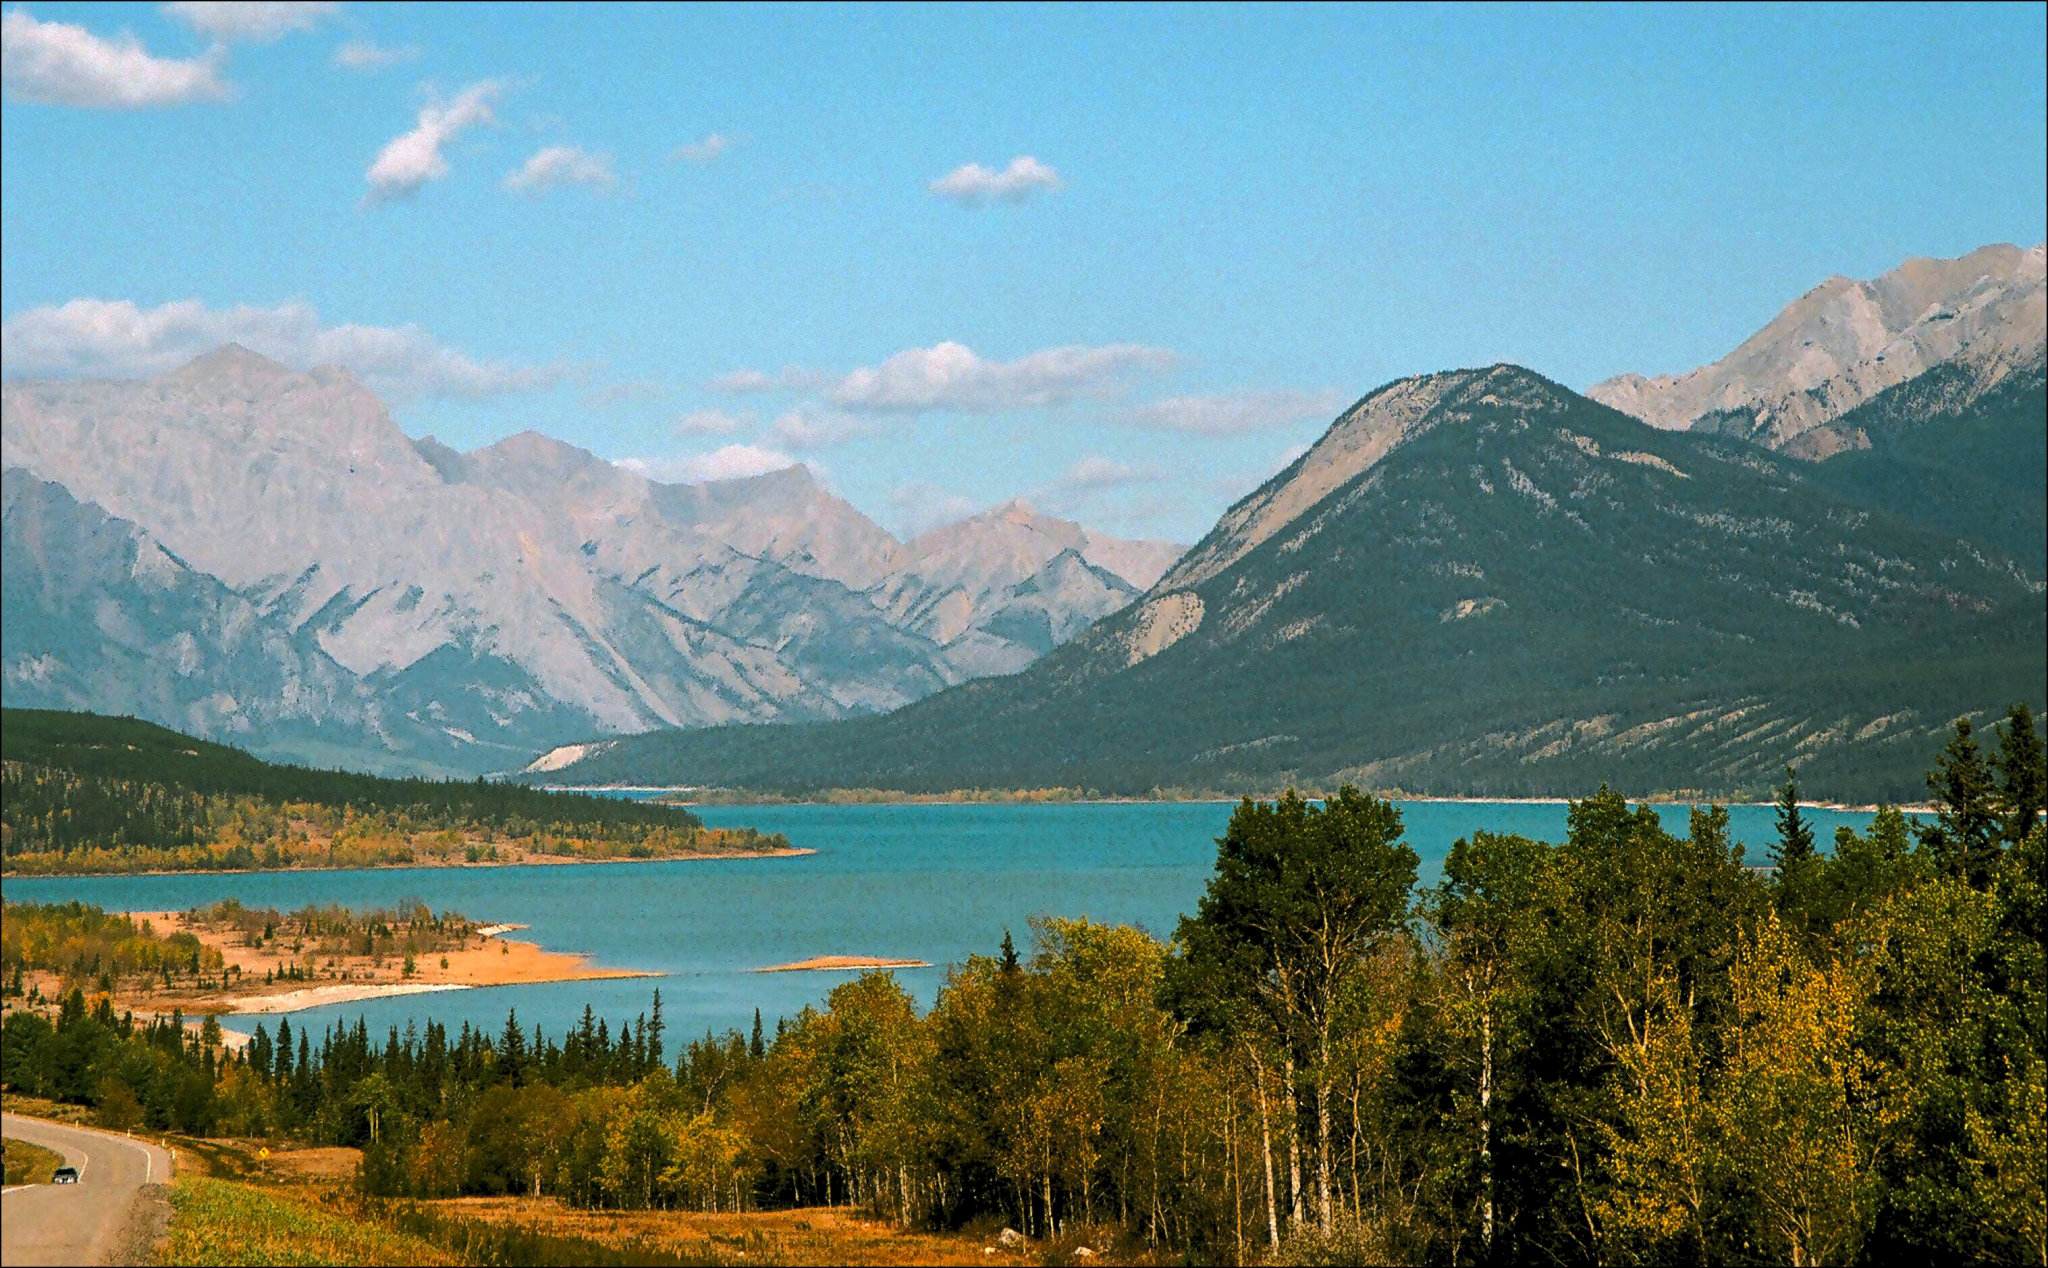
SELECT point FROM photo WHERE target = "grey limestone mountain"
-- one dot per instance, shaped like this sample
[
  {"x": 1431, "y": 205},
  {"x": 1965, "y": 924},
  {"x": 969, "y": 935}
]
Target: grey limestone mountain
[
  {"x": 1844, "y": 342},
  {"x": 252, "y": 553}
]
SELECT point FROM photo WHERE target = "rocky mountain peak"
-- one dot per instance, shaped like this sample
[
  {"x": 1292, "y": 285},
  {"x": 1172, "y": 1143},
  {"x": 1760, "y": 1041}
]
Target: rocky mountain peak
[
  {"x": 448, "y": 605},
  {"x": 1360, "y": 438},
  {"x": 232, "y": 361},
  {"x": 535, "y": 465},
  {"x": 1844, "y": 341}
]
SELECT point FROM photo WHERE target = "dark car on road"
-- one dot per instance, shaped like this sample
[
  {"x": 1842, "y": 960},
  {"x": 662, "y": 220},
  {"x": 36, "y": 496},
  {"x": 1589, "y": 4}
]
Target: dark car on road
[{"x": 64, "y": 1175}]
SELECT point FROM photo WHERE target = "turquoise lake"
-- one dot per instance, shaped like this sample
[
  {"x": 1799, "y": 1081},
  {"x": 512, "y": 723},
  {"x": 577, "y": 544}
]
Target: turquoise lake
[{"x": 924, "y": 882}]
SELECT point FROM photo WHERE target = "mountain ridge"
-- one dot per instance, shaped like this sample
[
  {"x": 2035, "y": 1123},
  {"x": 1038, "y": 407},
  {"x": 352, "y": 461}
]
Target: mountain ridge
[
  {"x": 529, "y": 587},
  {"x": 1488, "y": 585}
]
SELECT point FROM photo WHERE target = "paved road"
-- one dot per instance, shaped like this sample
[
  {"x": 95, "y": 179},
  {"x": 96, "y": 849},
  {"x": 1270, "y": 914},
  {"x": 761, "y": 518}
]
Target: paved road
[{"x": 75, "y": 1223}]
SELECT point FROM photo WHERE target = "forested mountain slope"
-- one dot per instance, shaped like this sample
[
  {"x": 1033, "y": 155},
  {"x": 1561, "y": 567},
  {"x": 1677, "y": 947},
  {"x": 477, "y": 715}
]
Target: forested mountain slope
[
  {"x": 1969, "y": 462},
  {"x": 1477, "y": 582}
]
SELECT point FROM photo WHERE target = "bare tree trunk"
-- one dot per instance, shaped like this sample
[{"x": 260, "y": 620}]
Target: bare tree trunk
[
  {"x": 1486, "y": 1127},
  {"x": 1266, "y": 1141},
  {"x": 1293, "y": 1148},
  {"x": 1357, "y": 1202},
  {"x": 1230, "y": 1156},
  {"x": 1324, "y": 1218}
]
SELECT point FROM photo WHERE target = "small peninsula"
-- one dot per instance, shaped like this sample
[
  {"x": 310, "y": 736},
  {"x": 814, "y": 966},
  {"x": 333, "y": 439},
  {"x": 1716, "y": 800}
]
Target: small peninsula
[
  {"x": 82, "y": 794},
  {"x": 232, "y": 958}
]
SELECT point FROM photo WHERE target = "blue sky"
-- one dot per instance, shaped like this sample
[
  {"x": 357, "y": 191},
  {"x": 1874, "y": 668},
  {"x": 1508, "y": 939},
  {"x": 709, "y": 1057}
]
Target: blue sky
[{"x": 1192, "y": 234}]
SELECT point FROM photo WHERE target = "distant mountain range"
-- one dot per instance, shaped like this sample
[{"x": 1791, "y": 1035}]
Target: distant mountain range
[
  {"x": 261, "y": 556},
  {"x": 1818, "y": 550}
]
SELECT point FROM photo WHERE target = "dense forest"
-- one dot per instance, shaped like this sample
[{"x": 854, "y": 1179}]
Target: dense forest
[
  {"x": 84, "y": 793},
  {"x": 1626, "y": 1046}
]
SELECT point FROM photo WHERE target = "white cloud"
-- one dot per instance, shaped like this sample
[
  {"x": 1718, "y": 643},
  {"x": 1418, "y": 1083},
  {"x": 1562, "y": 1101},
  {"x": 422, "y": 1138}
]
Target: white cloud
[
  {"x": 57, "y": 64},
  {"x": 806, "y": 428},
  {"x": 253, "y": 20},
  {"x": 365, "y": 56},
  {"x": 732, "y": 462},
  {"x": 409, "y": 161},
  {"x": 630, "y": 392},
  {"x": 1233, "y": 413},
  {"x": 706, "y": 150},
  {"x": 918, "y": 507},
  {"x": 562, "y": 165},
  {"x": 1097, "y": 472},
  {"x": 951, "y": 376},
  {"x": 974, "y": 184},
  {"x": 118, "y": 339},
  {"x": 710, "y": 422},
  {"x": 789, "y": 378}
]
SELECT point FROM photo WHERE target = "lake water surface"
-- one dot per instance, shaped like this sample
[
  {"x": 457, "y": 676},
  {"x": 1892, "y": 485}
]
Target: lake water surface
[{"x": 925, "y": 882}]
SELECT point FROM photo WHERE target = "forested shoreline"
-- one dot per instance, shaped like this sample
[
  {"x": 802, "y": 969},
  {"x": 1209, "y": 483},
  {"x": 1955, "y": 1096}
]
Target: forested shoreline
[
  {"x": 80, "y": 793},
  {"x": 1626, "y": 1046}
]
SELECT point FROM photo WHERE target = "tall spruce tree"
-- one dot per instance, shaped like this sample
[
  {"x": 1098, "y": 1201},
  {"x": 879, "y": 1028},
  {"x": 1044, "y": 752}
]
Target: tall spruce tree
[
  {"x": 1964, "y": 836},
  {"x": 2022, "y": 775},
  {"x": 1795, "y": 835},
  {"x": 755, "y": 1047},
  {"x": 1798, "y": 880}
]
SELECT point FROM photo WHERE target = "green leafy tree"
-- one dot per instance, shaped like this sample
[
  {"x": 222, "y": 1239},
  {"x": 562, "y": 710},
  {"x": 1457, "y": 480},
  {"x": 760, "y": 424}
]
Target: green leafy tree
[
  {"x": 1301, "y": 896},
  {"x": 1487, "y": 916}
]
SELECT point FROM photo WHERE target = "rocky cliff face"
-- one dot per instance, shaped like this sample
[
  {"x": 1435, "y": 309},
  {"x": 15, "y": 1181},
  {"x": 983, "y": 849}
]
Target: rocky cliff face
[
  {"x": 1844, "y": 342},
  {"x": 495, "y": 602}
]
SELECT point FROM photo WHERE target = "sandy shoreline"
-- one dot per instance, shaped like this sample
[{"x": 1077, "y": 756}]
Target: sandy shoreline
[
  {"x": 946, "y": 799},
  {"x": 536, "y": 860},
  {"x": 485, "y": 958},
  {"x": 338, "y": 993},
  {"x": 829, "y": 962}
]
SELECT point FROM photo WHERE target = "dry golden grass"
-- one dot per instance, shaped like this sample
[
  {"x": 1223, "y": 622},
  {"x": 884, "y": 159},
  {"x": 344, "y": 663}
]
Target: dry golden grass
[
  {"x": 37, "y": 1107},
  {"x": 812, "y": 1235},
  {"x": 222, "y": 1222},
  {"x": 29, "y": 1164}
]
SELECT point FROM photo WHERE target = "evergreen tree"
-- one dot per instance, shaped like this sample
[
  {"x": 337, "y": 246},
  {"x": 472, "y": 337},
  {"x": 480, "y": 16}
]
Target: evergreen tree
[
  {"x": 512, "y": 1048},
  {"x": 2023, "y": 776},
  {"x": 1964, "y": 836},
  {"x": 1798, "y": 880},
  {"x": 1010, "y": 966},
  {"x": 1795, "y": 834},
  {"x": 755, "y": 1048}
]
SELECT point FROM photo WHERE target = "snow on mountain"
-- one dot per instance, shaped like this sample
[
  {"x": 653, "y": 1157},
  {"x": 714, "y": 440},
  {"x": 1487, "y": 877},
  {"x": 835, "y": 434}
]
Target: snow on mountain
[{"x": 1845, "y": 341}]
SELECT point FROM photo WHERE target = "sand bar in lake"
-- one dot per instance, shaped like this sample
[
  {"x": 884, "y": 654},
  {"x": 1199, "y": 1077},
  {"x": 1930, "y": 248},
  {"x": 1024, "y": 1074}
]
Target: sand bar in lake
[{"x": 844, "y": 962}]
